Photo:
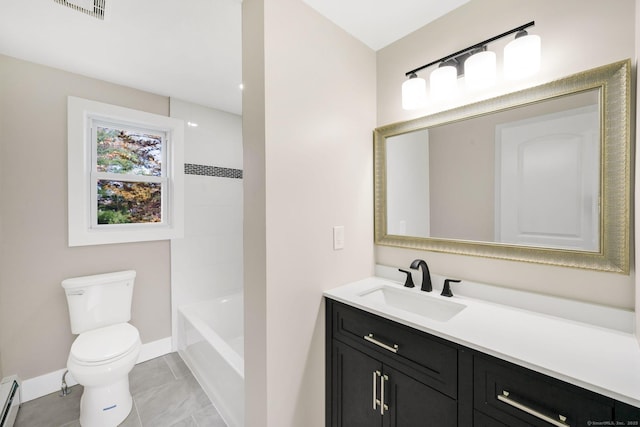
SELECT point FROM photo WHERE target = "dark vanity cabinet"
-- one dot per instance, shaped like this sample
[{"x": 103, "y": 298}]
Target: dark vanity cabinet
[{"x": 382, "y": 373}]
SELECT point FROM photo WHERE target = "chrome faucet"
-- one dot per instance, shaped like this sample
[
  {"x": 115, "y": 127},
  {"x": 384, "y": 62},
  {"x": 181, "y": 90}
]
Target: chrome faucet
[{"x": 426, "y": 276}]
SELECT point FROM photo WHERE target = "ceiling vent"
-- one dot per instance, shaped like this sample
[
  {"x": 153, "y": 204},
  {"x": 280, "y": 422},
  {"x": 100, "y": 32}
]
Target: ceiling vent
[{"x": 93, "y": 8}]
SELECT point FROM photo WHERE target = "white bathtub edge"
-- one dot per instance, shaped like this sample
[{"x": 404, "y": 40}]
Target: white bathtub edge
[
  {"x": 227, "y": 416},
  {"x": 233, "y": 359},
  {"x": 229, "y": 363},
  {"x": 42, "y": 385}
]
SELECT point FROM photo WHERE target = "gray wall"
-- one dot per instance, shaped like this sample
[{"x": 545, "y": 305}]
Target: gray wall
[
  {"x": 35, "y": 335},
  {"x": 308, "y": 113}
]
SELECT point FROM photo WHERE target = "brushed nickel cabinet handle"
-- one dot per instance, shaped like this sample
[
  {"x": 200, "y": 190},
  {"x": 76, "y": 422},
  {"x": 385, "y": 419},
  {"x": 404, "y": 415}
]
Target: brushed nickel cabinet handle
[
  {"x": 376, "y": 374},
  {"x": 560, "y": 422},
  {"x": 371, "y": 339},
  {"x": 383, "y": 406}
]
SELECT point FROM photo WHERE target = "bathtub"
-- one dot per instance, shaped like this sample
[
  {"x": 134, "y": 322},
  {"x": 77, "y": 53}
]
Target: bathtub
[{"x": 211, "y": 342}]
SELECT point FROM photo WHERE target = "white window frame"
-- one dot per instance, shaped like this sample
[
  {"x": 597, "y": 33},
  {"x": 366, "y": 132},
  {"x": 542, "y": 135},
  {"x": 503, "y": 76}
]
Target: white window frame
[{"x": 83, "y": 115}]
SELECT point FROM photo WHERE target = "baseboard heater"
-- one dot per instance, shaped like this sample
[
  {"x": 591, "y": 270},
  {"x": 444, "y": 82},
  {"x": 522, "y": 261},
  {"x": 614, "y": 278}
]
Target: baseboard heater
[{"x": 10, "y": 400}]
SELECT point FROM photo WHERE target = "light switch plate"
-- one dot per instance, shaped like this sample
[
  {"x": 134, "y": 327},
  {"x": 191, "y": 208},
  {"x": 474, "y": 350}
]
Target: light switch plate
[{"x": 338, "y": 237}]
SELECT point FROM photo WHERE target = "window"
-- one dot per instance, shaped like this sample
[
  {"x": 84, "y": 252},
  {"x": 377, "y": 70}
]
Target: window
[
  {"x": 129, "y": 173},
  {"x": 125, "y": 174}
]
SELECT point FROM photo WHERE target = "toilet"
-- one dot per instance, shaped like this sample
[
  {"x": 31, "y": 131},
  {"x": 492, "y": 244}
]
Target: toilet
[{"x": 107, "y": 346}]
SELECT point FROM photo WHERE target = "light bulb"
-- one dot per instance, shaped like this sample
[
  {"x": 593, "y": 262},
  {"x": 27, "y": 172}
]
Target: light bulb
[
  {"x": 480, "y": 70},
  {"x": 414, "y": 93},
  {"x": 443, "y": 82},
  {"x": 522, "y": 56}
]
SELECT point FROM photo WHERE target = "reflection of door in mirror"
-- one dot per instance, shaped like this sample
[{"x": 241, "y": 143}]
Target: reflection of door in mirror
[
  {"x": 547, "y": 180},
  {"x": 408, "y": 184},
  {"x": 445, "y": 181}
]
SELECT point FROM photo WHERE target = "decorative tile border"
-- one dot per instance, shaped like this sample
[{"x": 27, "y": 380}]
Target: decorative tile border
[{"x": 192, "y": 169}]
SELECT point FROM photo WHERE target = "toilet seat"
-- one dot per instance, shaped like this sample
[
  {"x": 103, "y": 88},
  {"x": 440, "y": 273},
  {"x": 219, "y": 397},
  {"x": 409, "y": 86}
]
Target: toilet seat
[{"x": 105, "y": 345}]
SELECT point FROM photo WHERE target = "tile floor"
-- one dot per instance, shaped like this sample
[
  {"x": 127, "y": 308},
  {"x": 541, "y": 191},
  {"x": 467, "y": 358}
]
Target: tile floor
[{"x": 164, "y": 391}]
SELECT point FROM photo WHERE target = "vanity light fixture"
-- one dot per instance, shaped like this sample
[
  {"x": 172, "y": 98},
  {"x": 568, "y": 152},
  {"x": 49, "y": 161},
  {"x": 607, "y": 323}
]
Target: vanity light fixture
[{"x": 477, "y": 65}]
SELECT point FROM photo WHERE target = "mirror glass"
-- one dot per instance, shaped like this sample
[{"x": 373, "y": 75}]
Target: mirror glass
[
  {"x": 518, "y": 177},
  {"x": 530, "y": 175}
]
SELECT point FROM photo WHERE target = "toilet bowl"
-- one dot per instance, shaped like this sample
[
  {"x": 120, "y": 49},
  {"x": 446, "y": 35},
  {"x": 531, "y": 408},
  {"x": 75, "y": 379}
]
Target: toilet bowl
[
  {"x": 101, "y": 360},
  {"x": 106, "y": 348}
]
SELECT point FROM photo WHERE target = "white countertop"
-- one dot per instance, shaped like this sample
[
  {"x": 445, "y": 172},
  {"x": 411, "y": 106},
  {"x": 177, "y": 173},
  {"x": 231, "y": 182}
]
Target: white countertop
[{"x": 603, "y": 360}]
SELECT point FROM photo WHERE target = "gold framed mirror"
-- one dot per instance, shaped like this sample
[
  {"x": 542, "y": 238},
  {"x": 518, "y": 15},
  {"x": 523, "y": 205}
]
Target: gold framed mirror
[{"x": 540, "y": 175}]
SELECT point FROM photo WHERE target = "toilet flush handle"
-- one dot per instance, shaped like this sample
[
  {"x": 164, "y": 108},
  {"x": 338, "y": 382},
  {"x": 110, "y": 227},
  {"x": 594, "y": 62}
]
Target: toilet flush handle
[{"x": 78, "y": 292}]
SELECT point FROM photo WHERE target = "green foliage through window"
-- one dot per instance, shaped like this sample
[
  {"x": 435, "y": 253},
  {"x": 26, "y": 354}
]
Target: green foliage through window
[
  {"x": 121, "y": 202},
  {"x": 131, "y": 153},
  {"x": 128, "y": 152}
]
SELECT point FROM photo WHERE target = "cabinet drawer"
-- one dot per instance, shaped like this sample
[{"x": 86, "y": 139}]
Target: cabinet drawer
[
  {"x": 435, "y": 361},
  {"x": 517, "y": 397},
  {"x": 481, "y": 420}
]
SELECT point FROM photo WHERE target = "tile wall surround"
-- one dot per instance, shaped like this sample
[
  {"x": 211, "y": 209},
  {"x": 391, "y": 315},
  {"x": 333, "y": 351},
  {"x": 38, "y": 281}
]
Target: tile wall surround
[{"x": 207, "y": 262}]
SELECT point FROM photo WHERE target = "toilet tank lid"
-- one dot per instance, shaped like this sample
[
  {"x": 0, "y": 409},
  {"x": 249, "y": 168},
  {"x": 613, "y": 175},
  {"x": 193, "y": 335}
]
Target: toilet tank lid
[
  {"x": 98, "y": 279},
  {"x": 105, "y": 343}
]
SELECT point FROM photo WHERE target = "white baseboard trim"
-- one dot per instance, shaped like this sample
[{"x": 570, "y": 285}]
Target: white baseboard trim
[
  {"x": 33, "y": 388},
  {"x": 42, "y": 385},
  {"x": 154, "y": 349}
]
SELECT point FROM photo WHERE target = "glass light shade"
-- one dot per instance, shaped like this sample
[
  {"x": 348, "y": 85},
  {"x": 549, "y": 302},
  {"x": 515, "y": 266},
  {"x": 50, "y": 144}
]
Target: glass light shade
[
  {"x": 414, "y": 93},
  {"x": 443, "y": 82},
  {"x": 522, "y": 57},
  {"x": 480, "y": 70}
]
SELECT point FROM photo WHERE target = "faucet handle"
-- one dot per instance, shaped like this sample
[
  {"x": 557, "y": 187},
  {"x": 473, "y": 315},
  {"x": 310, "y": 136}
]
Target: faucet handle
[
  {"x": 446, "y": 290},
  {"x": 408, "y": 283}
]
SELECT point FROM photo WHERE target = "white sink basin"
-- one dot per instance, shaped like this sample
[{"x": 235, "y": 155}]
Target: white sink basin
[{"x": 414, "y": 302}]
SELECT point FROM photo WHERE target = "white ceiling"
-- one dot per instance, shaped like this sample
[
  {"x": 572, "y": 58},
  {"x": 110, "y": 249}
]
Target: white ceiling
[
  {"x": 188, "y": 49},
  {"x": 379, "y": 23}
]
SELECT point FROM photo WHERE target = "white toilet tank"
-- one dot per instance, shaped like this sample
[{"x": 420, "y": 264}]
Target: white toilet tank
[{"x": 99, "y": 300}]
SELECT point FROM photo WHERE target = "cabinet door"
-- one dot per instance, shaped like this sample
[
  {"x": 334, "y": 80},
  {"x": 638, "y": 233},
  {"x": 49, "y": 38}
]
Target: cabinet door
[
  {"x": 413, "y": 404},
  {"x": 355, "y": 386}
]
